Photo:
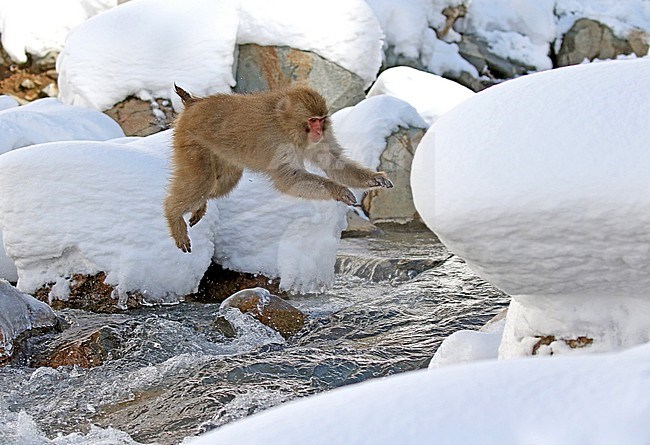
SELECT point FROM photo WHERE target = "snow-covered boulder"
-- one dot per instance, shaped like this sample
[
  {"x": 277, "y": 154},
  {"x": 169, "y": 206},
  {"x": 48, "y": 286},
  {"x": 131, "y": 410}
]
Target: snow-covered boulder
[
  {"x": 112, "y": 56},
  {"x": 37, "y": 27},
  {"x": 48, "y": 120},
  {"x": 541, "y": 185},
  {"x": 20, "y": 312},
  {"x": 382, "y": 132},
  {"x": 87, "y": 207},
  {"x": 429, "y": 94},
  {"x": 598, "y": 399}
]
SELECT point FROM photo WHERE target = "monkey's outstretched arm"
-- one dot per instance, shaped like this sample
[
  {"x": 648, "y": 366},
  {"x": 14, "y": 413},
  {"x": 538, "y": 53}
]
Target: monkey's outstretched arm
[
  {"x": 298, "y": 182},
  {"x": 328, "y": 155}
]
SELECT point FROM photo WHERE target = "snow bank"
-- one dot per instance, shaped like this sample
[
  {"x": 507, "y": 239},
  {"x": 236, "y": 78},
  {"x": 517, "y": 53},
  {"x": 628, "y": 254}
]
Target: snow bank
[
  {"x": 48, "y": 120},
  {"x": 19, "y": 313},
  {"x": 599, "y": 399},
  {"x": 429, "y": 94},
  {"x": 37, "y": 27},
  {"x": 85, "y": 207},
  {"x": 7, "y": 102},
  {"x": 193, "y": 43},
  {"x": 541, "y": 186}
]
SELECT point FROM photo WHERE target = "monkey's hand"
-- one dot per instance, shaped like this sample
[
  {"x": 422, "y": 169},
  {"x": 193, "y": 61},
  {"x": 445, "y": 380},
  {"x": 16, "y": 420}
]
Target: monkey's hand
[
  {"x": 345, "y": 196},
  {"x": 380, "y": 180}
]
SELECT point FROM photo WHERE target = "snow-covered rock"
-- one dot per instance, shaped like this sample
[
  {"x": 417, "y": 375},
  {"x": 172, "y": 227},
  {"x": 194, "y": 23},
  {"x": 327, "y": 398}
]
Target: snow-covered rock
[
  {"x": 86, "y": 207},
  {"x": 429, "y": 94},
  {"x": 112, "y": 56},
  {"x": 48, "y": 120},
  {"x": 20, "y": 312},
  {"x": 541, "y": 186},
  {"x": 36, "y": 27},
  {"x": 411, "y": 39},
  {"x": 598, "y": 399}
]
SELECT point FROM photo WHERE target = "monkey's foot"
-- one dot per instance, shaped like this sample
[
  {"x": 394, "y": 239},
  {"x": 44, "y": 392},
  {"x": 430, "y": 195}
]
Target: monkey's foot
[
  {"x": 381, "y": 180},
  {"x": 196, "y": 216},
  {"x": 184, "y": 243},
  {"x": 346, "y": 197}
]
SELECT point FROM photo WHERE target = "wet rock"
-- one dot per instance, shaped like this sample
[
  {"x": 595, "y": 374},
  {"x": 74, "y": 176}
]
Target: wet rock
[
  {"x": 20, "y": 313},
  {"x": 269, "y": 309},
  {"x": 142, "y": 118},
  {"x": 261, "y": 68},
  {"x": 476, "y": 50},
  {"x": 90, "y": 293},
  {"x": 383, "y": 269},
  {"x": 358, "y": 226},
  {"x": 396, "y": 204},
  {"x": 218, "y": 284},
  {"x": 589, "y": 39},
  {"x": 84, "y": 347}
]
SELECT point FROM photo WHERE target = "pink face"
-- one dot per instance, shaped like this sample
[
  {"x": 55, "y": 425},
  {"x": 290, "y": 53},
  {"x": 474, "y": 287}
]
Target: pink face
[{"x": 316, "y": 128}]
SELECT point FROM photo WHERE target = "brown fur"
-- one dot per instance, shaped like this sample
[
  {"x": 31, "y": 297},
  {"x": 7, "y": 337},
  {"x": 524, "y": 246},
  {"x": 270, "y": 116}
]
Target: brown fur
[{"x": 217, "y": 137}]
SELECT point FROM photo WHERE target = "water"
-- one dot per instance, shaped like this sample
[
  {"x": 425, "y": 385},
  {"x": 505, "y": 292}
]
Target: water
[{"x": 171, "y": 374}]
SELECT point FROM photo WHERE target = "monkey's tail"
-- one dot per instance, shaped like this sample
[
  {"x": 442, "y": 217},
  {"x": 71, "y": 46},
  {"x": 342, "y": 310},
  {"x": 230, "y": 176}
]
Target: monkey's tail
[{"x": 186, "y": 97}]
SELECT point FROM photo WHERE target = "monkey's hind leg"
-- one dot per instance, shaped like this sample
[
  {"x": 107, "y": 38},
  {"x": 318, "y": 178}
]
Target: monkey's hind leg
[{"x": 185, "y": 195}]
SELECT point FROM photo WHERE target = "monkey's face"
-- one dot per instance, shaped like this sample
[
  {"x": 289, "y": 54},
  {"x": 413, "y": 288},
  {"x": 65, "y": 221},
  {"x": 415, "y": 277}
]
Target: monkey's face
[{"x": 316, "y": 128}]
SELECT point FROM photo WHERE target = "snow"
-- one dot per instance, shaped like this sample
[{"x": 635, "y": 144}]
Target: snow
[
  {"x": 203, "y": 33},
  {"x": 541, "y": 186},
  {"x": 429, "y": 94},
  {"x": 407, "y": 26},
  {"x": 596, "y": 399},
  {"x": 48, "y": 120},
  {"x": 7, "y": 102},
  {"x": 622, "y": 17},
  {"x": 38, "y": 27},
  {"x": 96, "y": 206},
  {"x": 518, "y": 30},
  {"x": 20, "y": 312}
]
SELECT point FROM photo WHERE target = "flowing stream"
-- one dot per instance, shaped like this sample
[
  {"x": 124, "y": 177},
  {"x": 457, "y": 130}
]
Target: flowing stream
[{"x": 172, "y": 374}]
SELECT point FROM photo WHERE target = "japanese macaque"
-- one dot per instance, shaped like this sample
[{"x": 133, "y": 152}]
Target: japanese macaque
[{"x": 217, "y": 137}]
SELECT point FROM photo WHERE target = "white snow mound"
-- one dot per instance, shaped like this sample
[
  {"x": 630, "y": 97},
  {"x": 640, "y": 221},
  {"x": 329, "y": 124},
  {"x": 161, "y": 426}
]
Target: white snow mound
[
  {"x": 38, "y": 27},
  {"x": 429, "y": 94},
  {"x": 48, "y": 120},
  {"x": 86, "y": 207},
  {"x": 540, "y": 184}
]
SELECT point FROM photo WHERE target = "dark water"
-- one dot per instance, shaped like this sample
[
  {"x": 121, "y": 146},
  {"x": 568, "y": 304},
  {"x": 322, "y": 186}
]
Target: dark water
[{"x": 173, "y": 375}]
